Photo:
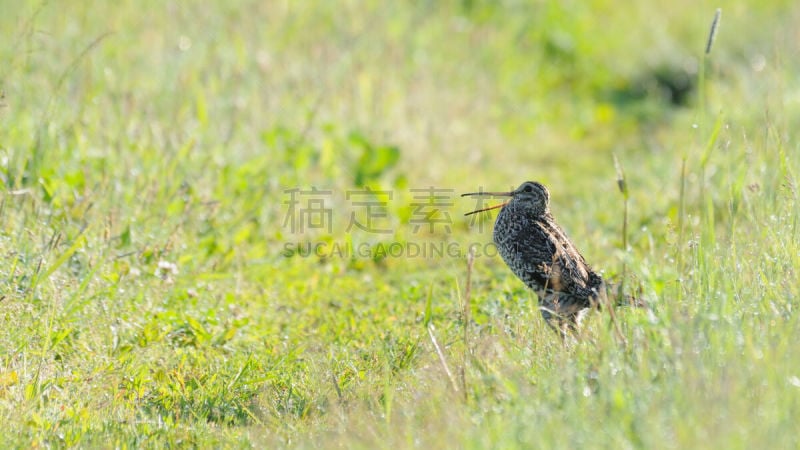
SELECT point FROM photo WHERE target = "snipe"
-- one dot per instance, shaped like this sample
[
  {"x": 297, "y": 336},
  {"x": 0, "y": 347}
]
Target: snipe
[{"x": 538, "y": 251}]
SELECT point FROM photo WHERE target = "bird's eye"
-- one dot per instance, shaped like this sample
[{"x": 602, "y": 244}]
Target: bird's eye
[{"x": 528, "y": 188}]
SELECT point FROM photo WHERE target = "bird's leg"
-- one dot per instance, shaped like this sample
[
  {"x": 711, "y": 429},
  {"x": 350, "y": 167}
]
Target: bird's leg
[
  {"x": 563, "y": 326},
  {"x": 552, "y": 319}
]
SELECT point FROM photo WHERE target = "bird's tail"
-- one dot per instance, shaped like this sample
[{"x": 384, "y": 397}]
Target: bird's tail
[
  {"x": 620, "y": 298},
  {"x": 610, "y": 293}
]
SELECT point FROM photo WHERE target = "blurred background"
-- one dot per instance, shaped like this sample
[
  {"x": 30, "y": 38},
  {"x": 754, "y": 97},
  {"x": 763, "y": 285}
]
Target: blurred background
[{"x": 165, "y": 166}]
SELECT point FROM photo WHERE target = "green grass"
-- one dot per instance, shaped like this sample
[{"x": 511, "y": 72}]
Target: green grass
[{"x": 146, "y": 295}]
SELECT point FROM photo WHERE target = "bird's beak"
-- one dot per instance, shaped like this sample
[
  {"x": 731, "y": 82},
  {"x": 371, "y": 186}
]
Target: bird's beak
[
  {"x": 492, "y": 194},
  {"x": 486, "y": 209}
]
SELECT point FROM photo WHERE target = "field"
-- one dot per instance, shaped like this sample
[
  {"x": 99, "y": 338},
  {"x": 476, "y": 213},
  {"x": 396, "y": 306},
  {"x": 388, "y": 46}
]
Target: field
[{"x": 239, "y": 224}]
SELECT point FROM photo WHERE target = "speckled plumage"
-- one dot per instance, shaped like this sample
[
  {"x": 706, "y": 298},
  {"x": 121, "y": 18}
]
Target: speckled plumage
[{"x": 540, "y": 254}]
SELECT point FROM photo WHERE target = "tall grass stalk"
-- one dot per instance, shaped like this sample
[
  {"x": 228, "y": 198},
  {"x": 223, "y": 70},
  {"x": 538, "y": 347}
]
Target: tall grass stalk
[
  {"x": 442, "y": 358},
  {"x": 623, "y": 189},
  {"x": 466, "y": 319},
  {"x": 702, "y": 93},
  {"x": 702, "y": 105},
  {"x": 681, "y": 224}
]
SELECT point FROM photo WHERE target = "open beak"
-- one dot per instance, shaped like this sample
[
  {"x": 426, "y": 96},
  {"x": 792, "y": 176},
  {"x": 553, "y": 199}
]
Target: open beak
[
  {"x": 492, "y": 194},
  {"x": 486, "y": 209}
]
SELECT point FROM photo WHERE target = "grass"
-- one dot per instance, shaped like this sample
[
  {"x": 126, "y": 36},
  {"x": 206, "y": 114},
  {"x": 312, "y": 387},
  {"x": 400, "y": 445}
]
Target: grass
[{"x": 154, "y": 294}]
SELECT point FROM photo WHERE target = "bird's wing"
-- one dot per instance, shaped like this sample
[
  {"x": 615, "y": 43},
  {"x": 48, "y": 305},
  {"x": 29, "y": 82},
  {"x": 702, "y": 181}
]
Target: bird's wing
[
  {"x": 574, "y": 275},
  {"x": 538, "y": 251}
]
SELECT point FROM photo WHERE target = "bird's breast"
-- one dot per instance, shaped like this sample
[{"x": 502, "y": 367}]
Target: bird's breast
[{"x": 536, "y": 249}]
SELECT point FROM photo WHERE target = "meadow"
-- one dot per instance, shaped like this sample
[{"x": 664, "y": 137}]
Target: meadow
[{"x": 238, "y": 224}]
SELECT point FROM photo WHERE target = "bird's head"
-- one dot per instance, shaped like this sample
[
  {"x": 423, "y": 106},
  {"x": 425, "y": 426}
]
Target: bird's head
[{"x": 531, "y": 196}]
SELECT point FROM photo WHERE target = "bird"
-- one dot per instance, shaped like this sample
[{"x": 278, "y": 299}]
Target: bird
[{"x": 538, "y": 251}]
